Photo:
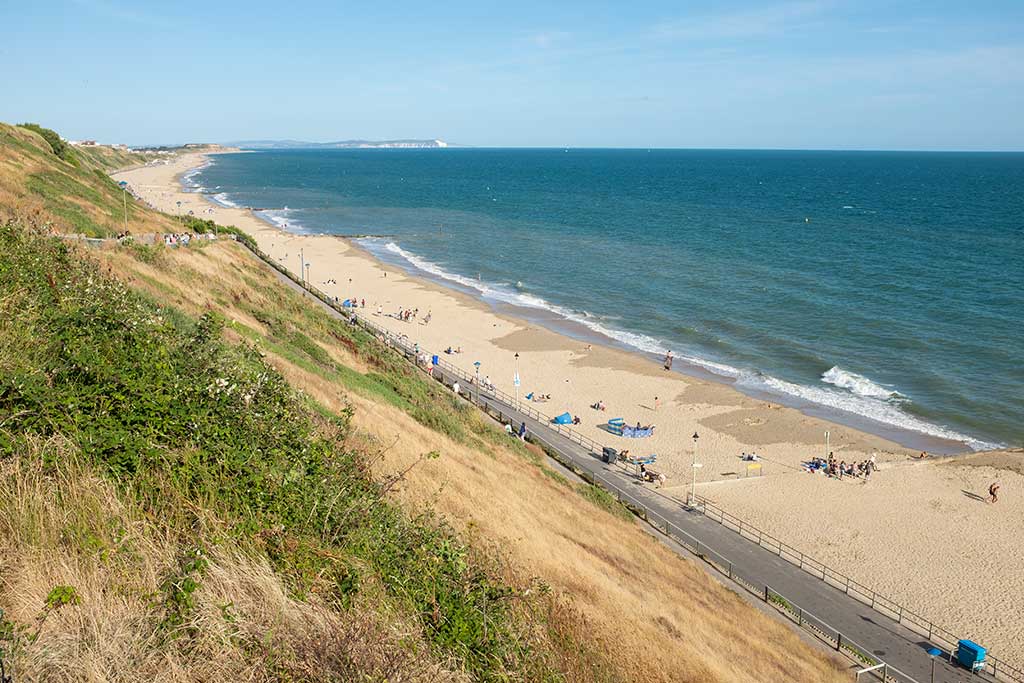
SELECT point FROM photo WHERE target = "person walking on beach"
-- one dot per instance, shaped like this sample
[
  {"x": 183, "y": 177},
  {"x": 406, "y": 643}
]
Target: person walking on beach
[
  {"x": 657, "y": 402},
  {"x": 993, "y": 492},
  {"x": 668, "y": 361}
]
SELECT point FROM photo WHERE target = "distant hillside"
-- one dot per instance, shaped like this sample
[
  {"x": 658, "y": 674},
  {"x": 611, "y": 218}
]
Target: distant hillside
[{"x": 342, "y": 144}]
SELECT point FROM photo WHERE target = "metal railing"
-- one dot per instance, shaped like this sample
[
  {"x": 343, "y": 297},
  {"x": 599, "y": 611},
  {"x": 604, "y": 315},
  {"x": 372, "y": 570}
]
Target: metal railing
[
  {"x": 880, "y": 603},
  {"x": 997, "y": 668}
]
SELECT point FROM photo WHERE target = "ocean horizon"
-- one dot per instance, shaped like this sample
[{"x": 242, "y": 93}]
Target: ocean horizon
[{"x": 879, "y": 289}]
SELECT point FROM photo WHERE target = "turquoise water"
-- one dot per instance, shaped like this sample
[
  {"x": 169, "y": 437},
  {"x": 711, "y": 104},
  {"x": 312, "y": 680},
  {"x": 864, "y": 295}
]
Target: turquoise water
[{"x": 882, "y": 289}]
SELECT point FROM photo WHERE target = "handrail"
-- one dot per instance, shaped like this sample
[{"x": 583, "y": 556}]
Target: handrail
[
  {"x": 877, "y": 601},
  {"x": 999, "y": 669}
]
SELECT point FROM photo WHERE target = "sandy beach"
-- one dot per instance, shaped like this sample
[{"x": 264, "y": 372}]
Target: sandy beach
[{"x": 919, "y": 531}]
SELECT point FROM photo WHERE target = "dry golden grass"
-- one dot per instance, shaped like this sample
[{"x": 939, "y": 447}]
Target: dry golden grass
[
  {"x": 661, "y": 617},
  {"x": 65, "y": 526},
  {"x": 24, "y": 153}
]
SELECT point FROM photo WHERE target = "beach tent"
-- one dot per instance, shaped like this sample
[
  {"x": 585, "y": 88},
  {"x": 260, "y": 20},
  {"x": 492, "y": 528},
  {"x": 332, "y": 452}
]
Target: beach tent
[
  {"x": 563, "y": 419},
  {"x": 347, "y": 303}
]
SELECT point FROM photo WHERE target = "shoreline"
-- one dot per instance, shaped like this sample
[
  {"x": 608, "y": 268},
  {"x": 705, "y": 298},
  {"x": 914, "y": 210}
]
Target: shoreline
[
  {"x": 892, "y": 439},
  {"x": 910, "y": 507},
  {"x": 903, "y": 436}
]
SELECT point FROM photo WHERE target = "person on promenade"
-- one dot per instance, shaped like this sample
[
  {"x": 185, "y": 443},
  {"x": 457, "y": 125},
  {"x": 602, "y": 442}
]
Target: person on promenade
[
  {"x": 522, "y": 431},
  {"x": 668, "y": 361},
  {"x": 455, "y": 388},
  {"x": 993, "y": 492}
]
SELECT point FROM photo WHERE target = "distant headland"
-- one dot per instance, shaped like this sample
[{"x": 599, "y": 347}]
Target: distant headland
[{"x": 343, "y": 144}]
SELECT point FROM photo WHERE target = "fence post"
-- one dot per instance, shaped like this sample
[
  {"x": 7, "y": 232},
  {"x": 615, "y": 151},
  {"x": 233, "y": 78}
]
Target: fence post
[
  {"x": 800, "y": 617},
  {"x": 766, "y": 592},
  {"x": 839, "y": 641}
]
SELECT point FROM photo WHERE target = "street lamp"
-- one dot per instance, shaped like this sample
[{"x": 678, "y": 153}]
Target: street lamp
[
  {"x": 476, "y": 364},
  {"x": 307, "y": 274},
  {"x": 124, "y": 197},
  {"x": 933, "y": 652},
  {"x": 302, "y": 267},
  {"x": 693, "y": 471},
  {"x": 827, "y": 436},
  {"x": 515, "y": 381}
]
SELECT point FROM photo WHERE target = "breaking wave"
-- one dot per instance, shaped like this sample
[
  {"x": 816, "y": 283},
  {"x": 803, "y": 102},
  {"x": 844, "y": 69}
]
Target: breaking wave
[{"x": 849, "y": 392}]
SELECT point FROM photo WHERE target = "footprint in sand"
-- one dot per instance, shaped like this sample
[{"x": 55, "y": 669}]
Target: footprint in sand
[{"x": 754, "y": 421}]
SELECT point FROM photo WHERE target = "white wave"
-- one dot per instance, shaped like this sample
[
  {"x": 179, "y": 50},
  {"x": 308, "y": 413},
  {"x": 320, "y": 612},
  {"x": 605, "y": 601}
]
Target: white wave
[
  {"x": 222, "y": 199},
  {"x": 641, "y": 342},
  {"x": 859, "y": 395},
  {"x": 283, "y": 219},
  {"x": 858, "y": 384},
  {"x": 188, "y": 178},
  {"x": 882, "y": 411}
]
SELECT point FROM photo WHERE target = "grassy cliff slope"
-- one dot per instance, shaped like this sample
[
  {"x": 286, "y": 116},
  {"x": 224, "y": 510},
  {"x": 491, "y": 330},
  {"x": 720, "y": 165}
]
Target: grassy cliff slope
[{"x": 74, "y": 196}]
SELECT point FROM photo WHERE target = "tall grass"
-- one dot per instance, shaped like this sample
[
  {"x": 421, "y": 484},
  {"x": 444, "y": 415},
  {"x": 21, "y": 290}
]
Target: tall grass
[{"x": 203, "y": 435}]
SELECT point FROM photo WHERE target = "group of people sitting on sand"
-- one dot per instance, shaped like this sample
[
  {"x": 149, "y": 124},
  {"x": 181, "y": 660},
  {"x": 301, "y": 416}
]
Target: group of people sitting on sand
[
  {"x": 599, "y": 406},
  {"x": 839, "y": 469},
  {"x": 450, "y": 350}
]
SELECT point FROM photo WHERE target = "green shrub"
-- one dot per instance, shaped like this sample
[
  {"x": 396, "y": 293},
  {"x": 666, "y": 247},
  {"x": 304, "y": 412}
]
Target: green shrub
[
  {"x": 191, "y": 427},
  {"x": 59, "y": 147}
]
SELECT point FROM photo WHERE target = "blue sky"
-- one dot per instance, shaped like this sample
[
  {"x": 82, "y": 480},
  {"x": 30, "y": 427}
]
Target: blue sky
[{"x": 820, "y": 74}]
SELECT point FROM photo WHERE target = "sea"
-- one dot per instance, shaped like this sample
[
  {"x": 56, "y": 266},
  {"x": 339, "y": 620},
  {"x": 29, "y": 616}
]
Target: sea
[{"x": 883, "y": 290}]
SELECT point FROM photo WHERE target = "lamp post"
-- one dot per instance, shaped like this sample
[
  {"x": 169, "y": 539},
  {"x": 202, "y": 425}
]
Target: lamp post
[
  {"x": 124, "y": 197},
  {"x": 302, "y": 267},
  {"x": 933, "y": 652},
  {"x": 307, "y": 274},
  {"x": 476, "y": 364},
  {"x": 515, "y": 380},
  {"x": 693, "y": 471},
  {"x": 827, "y": 436}
]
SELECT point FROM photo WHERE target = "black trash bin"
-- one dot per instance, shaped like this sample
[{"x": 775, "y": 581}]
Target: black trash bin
[{"x": 609, "y": 454}]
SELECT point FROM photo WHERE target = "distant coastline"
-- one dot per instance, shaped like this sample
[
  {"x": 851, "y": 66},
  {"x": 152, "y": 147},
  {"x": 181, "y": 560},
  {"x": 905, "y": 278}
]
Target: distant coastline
[{"x": 344, "y": 144}]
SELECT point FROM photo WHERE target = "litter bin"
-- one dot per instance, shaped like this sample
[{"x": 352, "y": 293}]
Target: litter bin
[
  {"x": 970, "y": 655},
  {"x": 609, "y": 454}
]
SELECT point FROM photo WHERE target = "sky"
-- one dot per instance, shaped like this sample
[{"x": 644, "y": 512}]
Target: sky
[{"x": 801, "y": 74}]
